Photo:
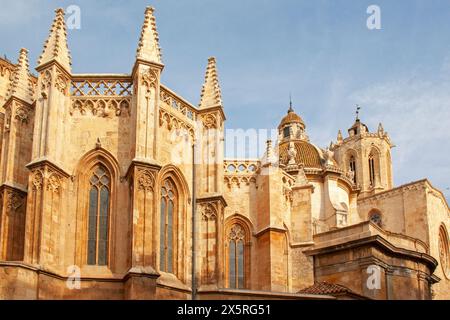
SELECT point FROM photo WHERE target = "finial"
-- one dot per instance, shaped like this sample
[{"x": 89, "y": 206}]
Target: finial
[
  {"x": 339, "y": 136},
  {"x": 357, "y": 111},
  {"x": 290, "y": 104},
  {"x": 269, "y": 150},
  {"x": 98, "y": 144}
]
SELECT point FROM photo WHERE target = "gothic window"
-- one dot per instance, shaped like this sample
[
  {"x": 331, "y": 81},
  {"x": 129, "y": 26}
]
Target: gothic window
[
  {"x": 167, "y": 216},
  {"x": 236, "y": 238},
  {"x": 375, "y": 217},
  {"x": 286, "y": 132},
  {"x": 444, "y": 251},
  {"x": 372, "y": 169},
  {"x": 98, "y": 221},
  {"x": 352, "y": 165}
]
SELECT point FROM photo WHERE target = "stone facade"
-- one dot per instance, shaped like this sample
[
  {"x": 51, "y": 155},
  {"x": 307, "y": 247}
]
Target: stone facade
[{"x": 105, "y": 179}]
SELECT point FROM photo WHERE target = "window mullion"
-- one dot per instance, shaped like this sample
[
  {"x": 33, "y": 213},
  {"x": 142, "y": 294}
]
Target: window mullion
[
  {"x": 97, "y": 231},
  {"x": 236, "y": 263}
]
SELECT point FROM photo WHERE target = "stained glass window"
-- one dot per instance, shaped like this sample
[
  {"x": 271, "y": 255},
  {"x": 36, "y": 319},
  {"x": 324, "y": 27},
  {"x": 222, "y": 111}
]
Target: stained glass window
[
  {"x": 236, "y": 276},
  {"x": 167, "y": 215},
  {"x": 99, "y": 197}
]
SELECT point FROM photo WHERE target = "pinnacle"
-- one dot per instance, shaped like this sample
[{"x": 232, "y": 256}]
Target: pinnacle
[
  {"x": 21, "y": 85},
  {"x": 148, "y": 47},
  {"x": 55, "y": 47},
  {"x": 211, "y": 95}
]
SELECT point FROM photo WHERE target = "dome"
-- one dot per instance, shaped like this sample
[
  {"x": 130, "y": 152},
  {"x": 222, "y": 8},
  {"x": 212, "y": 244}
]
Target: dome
[
  {"x": 291, "y": 117},
  {"x": 306, "y": 154}
]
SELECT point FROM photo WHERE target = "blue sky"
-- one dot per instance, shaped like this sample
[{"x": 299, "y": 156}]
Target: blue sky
[{"x": 319, "y": 51}]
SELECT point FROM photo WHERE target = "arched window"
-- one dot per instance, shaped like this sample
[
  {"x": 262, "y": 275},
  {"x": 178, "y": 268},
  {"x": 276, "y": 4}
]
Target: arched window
[
  {"x": 352, "y": 165},
  {"x": 236, "y": 274},
  {"x": 444, "y": 251},
  {"x": 375, "y": 217},
  {"x": 167, "y": 216},
  {"x": 98, "y": 221},
  {"x": 286, "y": 132},
  {"x": 372, "y": 169}
]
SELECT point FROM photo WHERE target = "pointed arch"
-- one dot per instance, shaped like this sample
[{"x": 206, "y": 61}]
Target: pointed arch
[
  {"x": 351, "y": 164},
  {"x": 97, "y": 176},
  {"x": 238, "y": 236},
  {"x": 444, "y": 250},
  {"x": 172, "y": 207},
  {"x": 178, "y": 177},
  {"x": 98, "y": 155},
  {"x": 374, "y": 166}
]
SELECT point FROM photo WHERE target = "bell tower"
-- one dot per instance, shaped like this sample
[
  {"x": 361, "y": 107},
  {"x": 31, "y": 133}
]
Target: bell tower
[{"x": 366, "y": 156}]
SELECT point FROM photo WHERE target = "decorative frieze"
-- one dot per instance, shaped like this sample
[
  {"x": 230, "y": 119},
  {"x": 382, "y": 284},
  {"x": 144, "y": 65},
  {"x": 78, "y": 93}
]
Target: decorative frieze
[
  {"x": 239, "y": 181},
  {"x": 173, "y": 122},
  {"x": 237, "y": 167},
  {"x": 97, "y": 87},
  {"x": 176, "y": 103},
  {"x": 104, "y": 108}
]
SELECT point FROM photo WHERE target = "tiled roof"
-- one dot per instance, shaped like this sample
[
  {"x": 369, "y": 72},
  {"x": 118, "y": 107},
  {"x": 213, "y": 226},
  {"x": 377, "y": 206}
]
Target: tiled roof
[
  {"x": 306, "y": 154},
  {"x": 291, "y": 117},
  {"x": 326, "y": 288}
]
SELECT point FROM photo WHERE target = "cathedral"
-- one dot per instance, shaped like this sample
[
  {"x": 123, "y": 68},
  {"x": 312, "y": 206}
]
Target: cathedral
[{"x": 113, "y": 186}]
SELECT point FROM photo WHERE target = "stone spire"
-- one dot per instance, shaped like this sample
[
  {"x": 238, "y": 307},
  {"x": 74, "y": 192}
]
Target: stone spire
[
  {"x": 148, "y": 47},
  {"x": 211, "y": 95},
  {"x": 380, "y": 129},
  {"x": 55, "y": 48},
  {"x": 21, "y": 85},
  {"x": 339, "y": 137}
]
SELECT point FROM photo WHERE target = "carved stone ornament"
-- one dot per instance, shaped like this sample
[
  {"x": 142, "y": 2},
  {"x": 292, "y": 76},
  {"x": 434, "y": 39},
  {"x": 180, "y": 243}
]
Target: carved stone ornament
[
  {"x": 146, "y": 180},
  {"x": 149, "y": 79},
  {"x": 21, "y": 114},
  {"x": 237, "y": 233},
  {"x": 209, "y": 213},
  {"x": 38, "y": 180},
  {"x": 53, "y": 183},
  {"x": 13, "y": 200}
]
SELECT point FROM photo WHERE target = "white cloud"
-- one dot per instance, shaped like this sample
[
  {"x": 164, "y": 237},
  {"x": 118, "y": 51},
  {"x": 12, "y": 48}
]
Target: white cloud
[{"x": 416, "y": 113}]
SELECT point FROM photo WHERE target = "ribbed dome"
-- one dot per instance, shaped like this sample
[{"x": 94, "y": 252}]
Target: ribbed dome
[
  {"x": 307, "y": 154},
  {"x": 291, "y": 117}
]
